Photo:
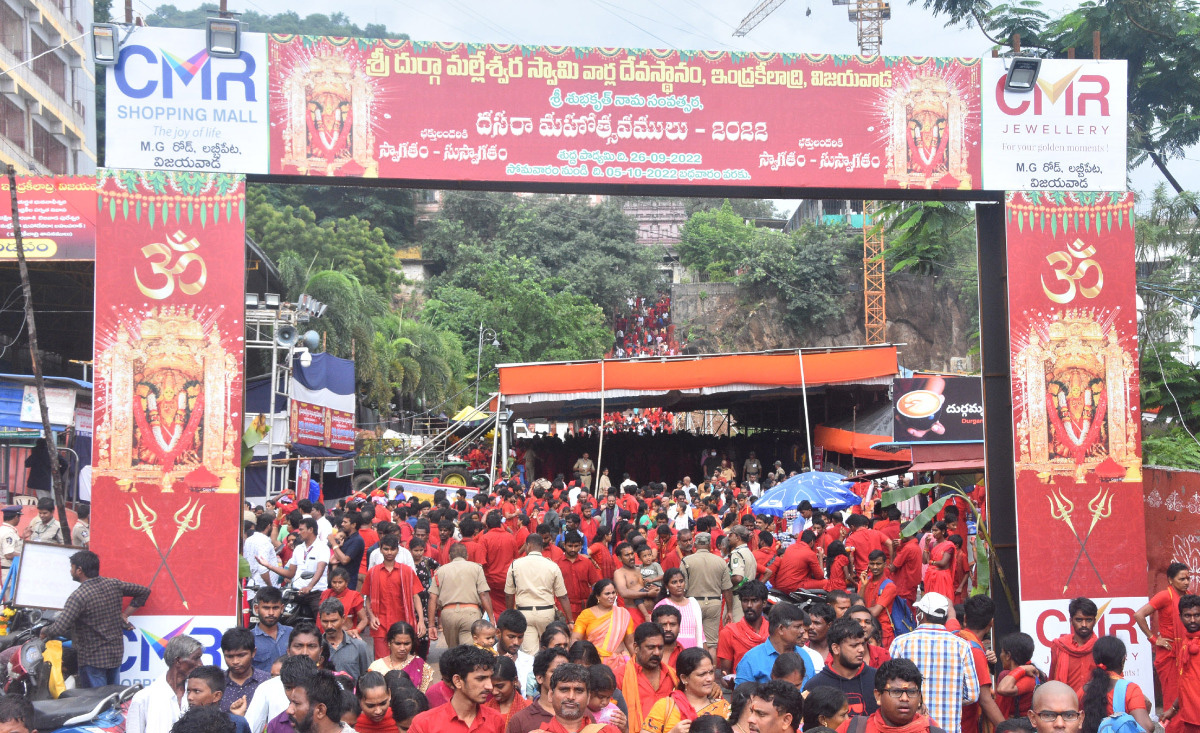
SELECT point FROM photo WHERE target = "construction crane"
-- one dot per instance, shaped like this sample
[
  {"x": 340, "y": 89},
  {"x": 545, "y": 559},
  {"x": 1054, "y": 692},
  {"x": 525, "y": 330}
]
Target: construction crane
[{"x": 868, "y": 16}]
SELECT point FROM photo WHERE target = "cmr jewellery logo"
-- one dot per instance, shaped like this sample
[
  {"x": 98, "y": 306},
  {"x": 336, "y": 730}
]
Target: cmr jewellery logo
[
  {"x": 142, "y": 72},
  {"x": 1071, "y": 95}
]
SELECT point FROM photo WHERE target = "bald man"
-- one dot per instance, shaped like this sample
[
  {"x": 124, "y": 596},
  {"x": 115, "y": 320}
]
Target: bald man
[{"x": 1055, "y": 709}]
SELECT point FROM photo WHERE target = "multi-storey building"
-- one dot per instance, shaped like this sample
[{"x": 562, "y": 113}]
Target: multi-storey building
[{"x": 47, "y": 87}]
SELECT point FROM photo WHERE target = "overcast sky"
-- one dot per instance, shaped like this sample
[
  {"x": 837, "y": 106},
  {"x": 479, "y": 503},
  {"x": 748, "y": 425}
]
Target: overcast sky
[{"x": 813, "y": 26}]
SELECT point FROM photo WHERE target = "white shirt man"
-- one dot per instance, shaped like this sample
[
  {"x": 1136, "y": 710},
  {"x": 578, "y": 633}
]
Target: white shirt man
[
  {"x": 306, "y": 558},
  {"x": 259, "y": 545},
  {"x": 573, "y": 495},
  {"x": 155, "y": 708},
  {"x": 627, "y": 484},
  {"x": 324, "y": 529}
]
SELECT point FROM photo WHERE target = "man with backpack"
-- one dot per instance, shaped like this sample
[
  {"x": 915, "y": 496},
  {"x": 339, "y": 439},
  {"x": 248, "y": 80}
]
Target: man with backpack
[
  {"x": 881, "y": 597},
  {"x": 977, "y": 621}
]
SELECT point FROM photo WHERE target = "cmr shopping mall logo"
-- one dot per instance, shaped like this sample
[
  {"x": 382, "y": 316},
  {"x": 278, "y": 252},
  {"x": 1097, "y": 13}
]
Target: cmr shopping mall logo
[
  {"x": 1072, "y": 94},
  {"x": 142, "y": 72}
]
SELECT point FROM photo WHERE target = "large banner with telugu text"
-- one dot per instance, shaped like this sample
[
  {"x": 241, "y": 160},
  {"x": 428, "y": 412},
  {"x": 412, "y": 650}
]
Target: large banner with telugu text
[
  {"x": 1076, "y": 417},
  {"x": 427, "y": 111},
  {"x": 170, "y": 270}
]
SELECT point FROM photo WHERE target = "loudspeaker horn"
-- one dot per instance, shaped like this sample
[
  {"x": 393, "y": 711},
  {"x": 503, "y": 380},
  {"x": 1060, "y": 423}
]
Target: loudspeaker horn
[{"x": 286, "y": 336}]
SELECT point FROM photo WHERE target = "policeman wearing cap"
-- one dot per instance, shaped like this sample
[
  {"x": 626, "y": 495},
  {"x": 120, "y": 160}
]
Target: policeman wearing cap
[{"x": 10, "y": 540}]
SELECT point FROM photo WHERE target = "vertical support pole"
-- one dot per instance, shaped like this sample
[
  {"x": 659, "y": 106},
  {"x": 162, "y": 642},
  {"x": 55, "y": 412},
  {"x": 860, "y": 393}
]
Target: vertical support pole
[
  {"x": 804, "y": 396},
  {"x": 600, "y": 450},
  {"x": 997, "y": 404}
]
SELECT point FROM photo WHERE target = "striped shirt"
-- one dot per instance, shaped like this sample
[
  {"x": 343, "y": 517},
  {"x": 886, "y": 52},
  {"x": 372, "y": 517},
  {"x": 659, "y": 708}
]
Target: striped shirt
[{"x": 946, "y": 663}]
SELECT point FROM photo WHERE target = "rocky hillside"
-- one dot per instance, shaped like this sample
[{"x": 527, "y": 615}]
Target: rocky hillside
[{"x": 930, "y": 317}]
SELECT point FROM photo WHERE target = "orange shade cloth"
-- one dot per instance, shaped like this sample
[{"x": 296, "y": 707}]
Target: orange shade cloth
[
  {"x": 765, "y": 370},
  {"x": 857, "y": 444}
]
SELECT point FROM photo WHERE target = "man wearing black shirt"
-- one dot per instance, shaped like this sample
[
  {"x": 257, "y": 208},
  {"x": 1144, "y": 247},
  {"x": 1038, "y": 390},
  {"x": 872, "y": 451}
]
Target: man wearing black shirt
[
  {"x": 847, "y": 670},
  {"x": 349, "y": 552}
]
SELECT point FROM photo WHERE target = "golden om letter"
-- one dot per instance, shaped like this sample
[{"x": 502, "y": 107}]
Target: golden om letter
[
  {"x": 160, "y": 257},
  {"x": 1070, "y": 267}
]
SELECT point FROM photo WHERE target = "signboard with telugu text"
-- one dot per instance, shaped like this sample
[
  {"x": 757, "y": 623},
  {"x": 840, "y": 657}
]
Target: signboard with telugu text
[
  {"x": 937, "y": 408},
  {"x": 402, "y": 109},
  {"x": 57, "y": 215},
  {"x": 1067, "y": 134}
]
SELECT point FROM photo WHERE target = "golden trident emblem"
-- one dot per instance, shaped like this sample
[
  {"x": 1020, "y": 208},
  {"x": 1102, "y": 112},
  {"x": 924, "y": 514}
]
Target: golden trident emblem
[
  {"x": 1101, "y": 508},
  {"x": 187, "y": 519},
  {"x": 144, "y": 522}
]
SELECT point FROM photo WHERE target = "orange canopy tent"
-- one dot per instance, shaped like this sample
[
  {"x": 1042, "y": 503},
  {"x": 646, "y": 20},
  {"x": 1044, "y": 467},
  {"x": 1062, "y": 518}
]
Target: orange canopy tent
[{"x": 681, "y": 383}]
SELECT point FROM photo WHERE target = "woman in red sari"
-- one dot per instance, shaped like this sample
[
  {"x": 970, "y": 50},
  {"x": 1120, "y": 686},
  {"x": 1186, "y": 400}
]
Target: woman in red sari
[
  {"x": 598, "y": 551},
  {"x": 1170, "y": 630},
  {"x": 837, "y": 567},
  {"x": 940, "y": 576}
]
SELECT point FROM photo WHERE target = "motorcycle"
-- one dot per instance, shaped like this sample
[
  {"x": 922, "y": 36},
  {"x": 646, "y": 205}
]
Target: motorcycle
[
  {"x": 292, "y": 611},
  {"x": 804, "y": 598},
  {"x": 88, "y": 710},
  {"x": 30, "y": 672}
]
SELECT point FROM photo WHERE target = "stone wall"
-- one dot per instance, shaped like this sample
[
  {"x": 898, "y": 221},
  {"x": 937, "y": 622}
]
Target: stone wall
[{"x": 928, "y": 316}]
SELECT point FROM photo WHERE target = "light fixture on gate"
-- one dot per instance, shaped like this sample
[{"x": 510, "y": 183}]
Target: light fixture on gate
[
  {"x": 271, "y": 300},
  {"x": 106, "y": 43},
  {"x": 1022, "y": 74},
  {"x": 224, "y": 36},
  {"x": 251, "y": 300}
]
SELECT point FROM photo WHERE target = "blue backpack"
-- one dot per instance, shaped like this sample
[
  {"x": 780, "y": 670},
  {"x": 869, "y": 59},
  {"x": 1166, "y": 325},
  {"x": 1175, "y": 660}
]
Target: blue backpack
[
  {"x": 1120, "y": 721},
  {"x": 903, "y": 620}
]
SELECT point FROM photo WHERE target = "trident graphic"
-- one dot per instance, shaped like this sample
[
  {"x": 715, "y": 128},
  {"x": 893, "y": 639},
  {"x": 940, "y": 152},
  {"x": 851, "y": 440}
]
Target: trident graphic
[
  {"x": 186, "y": 520},
  {"x": 144, "y": 522},
  {"x": 1101, "y": 508},
  {"x": 1061, "y": 508}
]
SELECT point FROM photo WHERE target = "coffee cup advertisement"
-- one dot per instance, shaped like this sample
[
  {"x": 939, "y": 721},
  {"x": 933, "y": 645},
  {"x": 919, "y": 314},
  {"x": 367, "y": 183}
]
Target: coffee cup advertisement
[{"x": 937, "y": 408}]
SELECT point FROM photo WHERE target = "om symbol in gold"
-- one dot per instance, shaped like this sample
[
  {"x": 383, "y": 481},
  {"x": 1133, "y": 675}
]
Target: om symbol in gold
[
  {"x": 160, "y": 257},
  {"x": 1070, "y": 267}
]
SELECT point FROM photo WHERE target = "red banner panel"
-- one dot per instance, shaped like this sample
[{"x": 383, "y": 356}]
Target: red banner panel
[
  {"x": 57, "y": 216},
  {"x": 308, "y": 424},
  {"x": 168, "y": 385},
  {"x": 494, "y": 113},
  {"x": 1076, "y": 417},
  {"x": 1172, "y": 498},
  {"x": 341, "y": 429}
]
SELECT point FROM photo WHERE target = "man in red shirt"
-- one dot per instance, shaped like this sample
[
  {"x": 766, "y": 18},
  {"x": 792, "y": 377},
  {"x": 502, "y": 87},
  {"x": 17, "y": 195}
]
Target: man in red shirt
[
  {"x": 863, "y": 541},
  {"x": 579, "y": 572},
  {"x": 879, "y": 593},
  {"x": 890, "y": 527},
  {"x": 389, "y": 595},
  {"x": 644, "y": 679},
  {"x": 977, "y": 621},
  {"x": 1071, "y": 654},
  {"x": 905, "y": 568},
  {"x": 765, "y": 557},
  {"x": 470, "y": 670},
  {"x": 680, "y": 548},
  {"x": 737, "y": 639},
  {"x": 550, "y": 550},
  {"x": 501, "y": 549},
  {"x": 469, "y": 528},
  {"x": 799, "y": 567}
]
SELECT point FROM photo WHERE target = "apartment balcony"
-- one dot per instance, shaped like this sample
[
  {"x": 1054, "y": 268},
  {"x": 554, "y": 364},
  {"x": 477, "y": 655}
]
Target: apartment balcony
[
  {"x": 47, "y": 14},
  {"x": 25, "y": 163},
  {"x": 50, "y": 105}
]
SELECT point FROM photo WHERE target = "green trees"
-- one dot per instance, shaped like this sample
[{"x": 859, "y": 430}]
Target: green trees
[
  {"x": 540, "y": 271},
  {"x": 713, "y": 242},
  {"x": 806, "y": 268}
]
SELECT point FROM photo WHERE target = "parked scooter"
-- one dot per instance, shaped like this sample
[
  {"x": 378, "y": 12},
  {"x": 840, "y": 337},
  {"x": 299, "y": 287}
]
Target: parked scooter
[
  {"x": 89, "y": 710},
  {"x": 30, "y": 671},
  {"x": 804, "y": 598}
]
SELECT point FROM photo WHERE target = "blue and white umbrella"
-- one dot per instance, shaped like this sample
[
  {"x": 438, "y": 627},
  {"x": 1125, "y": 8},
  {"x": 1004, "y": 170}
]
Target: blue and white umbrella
[{"x": 822, "y": 489}]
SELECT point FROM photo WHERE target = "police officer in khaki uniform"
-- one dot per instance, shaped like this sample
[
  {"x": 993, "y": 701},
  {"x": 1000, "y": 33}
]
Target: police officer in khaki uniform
[
  {"x": 532, "y": 585},
  {"x": 708, "y": 582},
  {"x": 10, "y": 541},
  {"x": 742, "y": 565},
  {"x": 460, "y": 591}
]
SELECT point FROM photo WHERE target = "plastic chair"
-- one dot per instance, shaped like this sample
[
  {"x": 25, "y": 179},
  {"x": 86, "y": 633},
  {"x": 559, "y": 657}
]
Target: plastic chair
[{"x": 25, "y": 500}]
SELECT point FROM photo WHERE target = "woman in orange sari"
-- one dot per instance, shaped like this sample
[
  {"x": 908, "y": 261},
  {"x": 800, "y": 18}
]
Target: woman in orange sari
[
  {"x": 940, "y": 576},
  {"x": 608, "y": 626},
  {"x": 697, "y": 695}
]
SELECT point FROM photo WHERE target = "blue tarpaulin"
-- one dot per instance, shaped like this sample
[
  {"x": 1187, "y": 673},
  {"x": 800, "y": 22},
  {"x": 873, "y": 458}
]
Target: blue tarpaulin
[{"x": 822, "y": 489}]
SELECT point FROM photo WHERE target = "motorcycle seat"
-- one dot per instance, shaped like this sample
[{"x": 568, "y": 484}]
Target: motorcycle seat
[
  {"x": 94, "y": 692},
  {"x": 51, "y": 715}
]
